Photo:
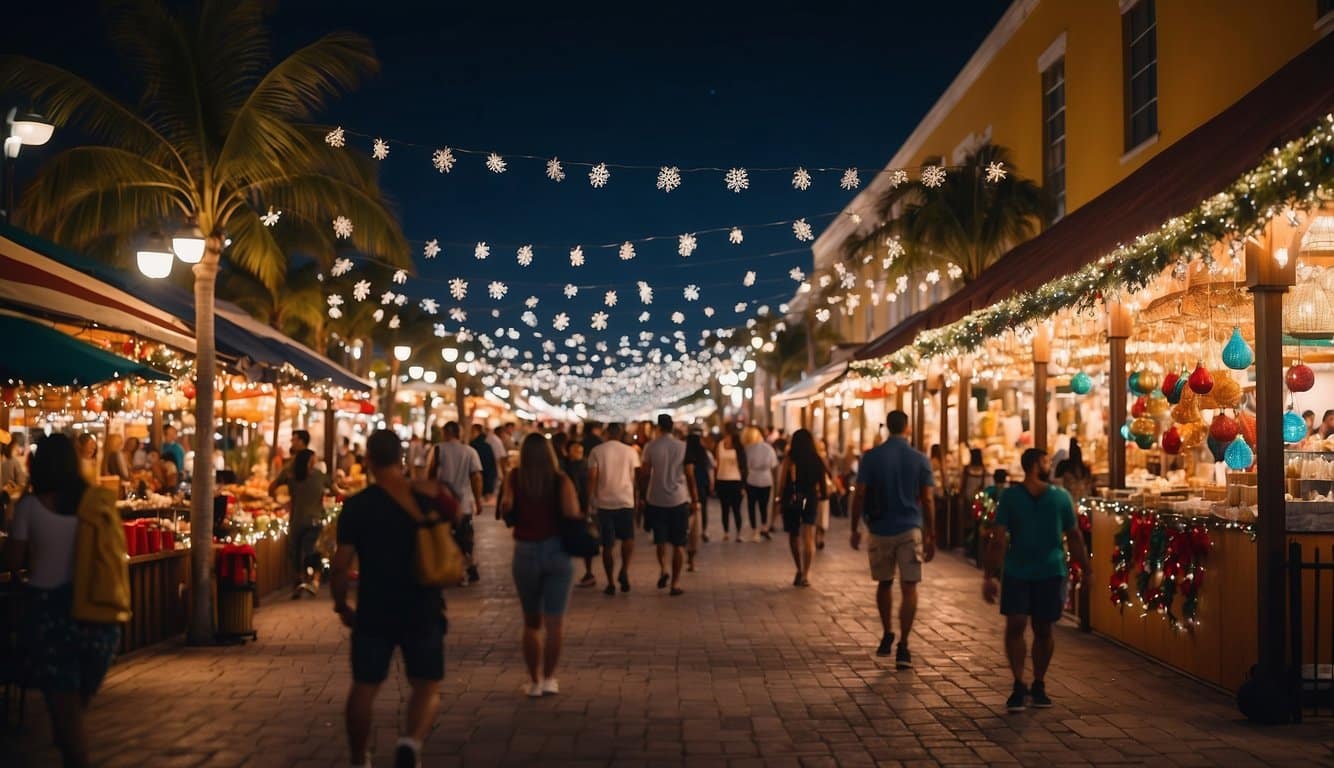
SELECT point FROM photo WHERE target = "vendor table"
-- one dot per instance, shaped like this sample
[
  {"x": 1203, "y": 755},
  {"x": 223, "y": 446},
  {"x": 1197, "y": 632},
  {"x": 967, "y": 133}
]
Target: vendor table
[{"x": 157, "y": 598}]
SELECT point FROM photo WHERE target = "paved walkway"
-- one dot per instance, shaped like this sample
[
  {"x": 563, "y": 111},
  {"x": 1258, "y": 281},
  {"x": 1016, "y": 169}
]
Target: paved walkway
[{"x": 743, "y": 670}]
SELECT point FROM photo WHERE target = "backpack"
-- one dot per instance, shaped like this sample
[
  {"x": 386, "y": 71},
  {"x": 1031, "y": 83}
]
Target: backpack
[
  {"x": 438, "y": 560},
  {"x": 102, "y": 568}
]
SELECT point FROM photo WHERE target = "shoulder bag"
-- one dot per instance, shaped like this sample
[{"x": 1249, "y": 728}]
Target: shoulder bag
[
  {"x": 576, "y": 535},
  {"x": 438, "y": 558}
]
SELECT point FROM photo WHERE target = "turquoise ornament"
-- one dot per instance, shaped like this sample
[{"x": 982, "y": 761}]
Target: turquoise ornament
[
  {"x": 1145, "y": 441},
  {"x": 1239, "y": 455},
  {"x": 1133, "y": 383},
  {"x": 1177, "y": 389},
  {"x": 1081, "y": 384},
  {"x": 1237, "y": 354},
  {"x": 1294, "y": 427},
  {"x": 1125, "y": 431}
]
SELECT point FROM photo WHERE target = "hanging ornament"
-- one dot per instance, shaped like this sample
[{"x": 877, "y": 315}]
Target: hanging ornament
[
  {"x": 1145, "y": 441},
  {"x": 1193, "y": 434},
  {"x": 1226, "y": 392},
  {"x": 1125, "y": 431},
  {"x": 1201, "y": 381},
  {"x": 1172, "y": 441},
  {"x": 1179, "y": 389},
  {"x": 1300, "y": 378},
  {"x": 1237, "y": 354},
  {"x": 1081, "y": 384},
  {"x": 1148, "y": 381},
  {"x": 1239, "y": 455},
  {"x": 1157, "y": 405},
  {"x": 1246, "y": 425},
  {"x": 1144, "y": 426},
  {"x": 1139, "y": 407},
  {"x": 1132, "y": 383},
  {"x": 1294, "y": 427},
  {"x": 188, "y": 389},
  {"x": 1169, "y": 385},
  {"x": 1224, "y": 429}
]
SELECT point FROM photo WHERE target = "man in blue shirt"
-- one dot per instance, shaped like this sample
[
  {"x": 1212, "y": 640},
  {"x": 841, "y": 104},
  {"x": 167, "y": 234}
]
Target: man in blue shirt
[
  {"x": 894, "y": 494},
  {"x": 172, "y": 450},
  {"x": 1036, "y": 516}
]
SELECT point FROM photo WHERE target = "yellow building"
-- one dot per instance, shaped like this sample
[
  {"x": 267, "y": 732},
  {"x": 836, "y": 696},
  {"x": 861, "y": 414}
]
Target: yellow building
[{"x": 1083, "y": 93}]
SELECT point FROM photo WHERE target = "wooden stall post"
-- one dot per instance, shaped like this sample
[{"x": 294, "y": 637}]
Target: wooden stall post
[
  {"x": 1118, "y": 330},
  {"x": 898, "y": 397},
  {"x": 277, "y": 412},
  {"x": 329, "y": 437},
  {"x": 965, "y": 395},
  {"x": 919, "y": 414},
  {"x": 1041, "y": 357},
  {"x": 1270, "y": 271}
]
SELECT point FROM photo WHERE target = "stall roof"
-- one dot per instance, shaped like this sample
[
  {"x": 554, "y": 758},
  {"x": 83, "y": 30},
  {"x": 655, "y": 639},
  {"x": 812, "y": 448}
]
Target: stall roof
[
  {"x": 812, "y": 385},
  {"x": 50, "y": 279},
  {"x": 38, "y": 354},
  {"x": 1200, "y": 164}
]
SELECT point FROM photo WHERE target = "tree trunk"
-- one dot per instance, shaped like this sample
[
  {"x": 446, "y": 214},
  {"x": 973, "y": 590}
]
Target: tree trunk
[{"x": 201, "y": 629}]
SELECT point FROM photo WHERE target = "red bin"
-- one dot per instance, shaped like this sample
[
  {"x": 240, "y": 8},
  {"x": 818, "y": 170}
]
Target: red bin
[
  {"x": 154, "y": 538},
  {"x": 130, "y": 543},
  {"x": 140, "y": 537}
]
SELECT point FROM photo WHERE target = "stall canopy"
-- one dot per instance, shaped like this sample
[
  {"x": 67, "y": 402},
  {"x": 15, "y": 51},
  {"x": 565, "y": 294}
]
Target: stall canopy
[
  {"x": 801, "y": 392},
  {"x": 37, "y": 354},
  {"x": 44, "y": 279},
  {"x": 1174, "y": 181}
]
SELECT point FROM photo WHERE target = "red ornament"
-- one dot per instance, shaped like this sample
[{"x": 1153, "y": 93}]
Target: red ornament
[
  {"x": 368, "y": 408},
  {"x": 1201, "y": 381},
  {"x": 189, "y": 391},
  {"x": 1300, "y": 378},
  {"x": 93, "y": 404},
  {"x": 1140, "y": 405},
  {"x": 127, "y": 348},
  {"x": 1172, "y": 440},
  {"x": 1170, "y": 383},
  {"x": 8, "y": 395},
  {"x": 1224, "y": 429}
]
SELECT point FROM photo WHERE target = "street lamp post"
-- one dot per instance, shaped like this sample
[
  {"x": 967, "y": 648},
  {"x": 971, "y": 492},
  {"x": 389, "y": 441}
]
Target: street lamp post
[{"x": 25, "y": 129}]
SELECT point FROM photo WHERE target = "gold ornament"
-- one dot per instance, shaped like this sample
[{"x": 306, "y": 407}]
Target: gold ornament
[{"x": 1148, "y": 381}]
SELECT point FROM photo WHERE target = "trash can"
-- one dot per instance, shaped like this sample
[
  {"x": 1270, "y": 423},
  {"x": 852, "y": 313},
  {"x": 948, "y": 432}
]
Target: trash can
[{"x": 236, "y": 593}]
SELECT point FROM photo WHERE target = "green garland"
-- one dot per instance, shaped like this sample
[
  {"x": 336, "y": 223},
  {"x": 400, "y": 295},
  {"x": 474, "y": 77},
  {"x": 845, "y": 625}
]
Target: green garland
[{"x": 1298, "y": 173}]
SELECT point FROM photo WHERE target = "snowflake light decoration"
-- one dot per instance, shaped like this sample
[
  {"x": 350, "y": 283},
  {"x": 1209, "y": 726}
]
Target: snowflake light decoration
[
  {"x": 598, "y": 176},
  {"x": 439, "y": 330},
  {"x": 481, "y": 251},
  {"x": 995, "y": 171},
  {"x": 708, "y": 311},
  {"x": 678, "y": 318},
  {"x": 645, "y": 293},
  {"x": 749, "y": 279},
  {"x": 599, "y": 321},
  {"x": 530, "y": 302},
  {"x": 796, "y": 274},
  {"x": 669, "y": 178},
  {"x": 335, "y": 313},
  {"x": 901, "y": 284},
  {"x": 554, "y": 170},
  {"x": 825, "y": 280},
  {"x": 400, "y": 276},
  {"x": 394, "y": 322},
  {"x": 954, "y": 271},
  {"x": 495, "y": 163},
  {"x": 341, "y": 267},
  {"x": 850, "y": 179},
  {"x": 529, "y": 318},
  {"x": 458, "y": 314},
  {"x": 933, "y": 276},
  {"x": 342, "y": 227},
  {"x": 387, "y": 297},
  {"x": 335, "y": 138},
  {"x": 822, "y": 314},
  {"x": 380, "y": 150},
  {"x": 644, "y": 318},
  {"x": 443, "y": 159},
  {"x": 525, "y": 255},
  {"x": 577, "y": 256},
  {"x": 685, "y": 245},
  {"x": 400, "y": 299},
  {"x": 736, "y": 180},
  {"x": 431, "y": 249},
  {"x": 362, "y": 290},
  {"x": 740, "y": 307},
  {"x": 849, "y": 280},
  {"x": 609, "y": 298},
  {"x": 458, "y": 288},
  {"x": 334, "y": 300},
  {"x": 897, "y": 178},
  {"x": 497, "y": 290},
  {"x": 801, "y": 179},
  {"x": 735, "y": 237},
  {"x": 561, "y": 321},
  {"x": 271, "y": 218},
  {"x": 691, "y": 293},
  {"x": 429, "y": 306},
  {"x": 378, "y": 315},
  {"x": 802, "y": 230},
  {"x": 627, "y": 251},
  {"x": 571, "y": 290},
  {"x": 933, "y": 176}
]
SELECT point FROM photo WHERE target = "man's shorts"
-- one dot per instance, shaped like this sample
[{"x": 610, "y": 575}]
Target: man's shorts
[
  {"x": 616, "y": 525},
  {"x": 1042, "y": 599},
  {"x": 423, "y": 649},
  {"x": 671, "y": 525},
  {"x": 899, "y": 555}
]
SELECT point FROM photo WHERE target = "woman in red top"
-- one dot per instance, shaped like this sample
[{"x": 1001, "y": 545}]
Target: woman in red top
[{"x": 535, "y": 496}]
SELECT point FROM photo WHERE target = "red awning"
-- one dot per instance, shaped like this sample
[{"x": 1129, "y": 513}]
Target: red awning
[{"x": 1176, "y": 180}]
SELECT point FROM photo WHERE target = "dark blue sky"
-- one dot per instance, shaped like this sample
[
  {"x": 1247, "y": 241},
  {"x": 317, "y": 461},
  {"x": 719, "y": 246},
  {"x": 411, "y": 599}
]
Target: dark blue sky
[{"x": 832, "y": 83}]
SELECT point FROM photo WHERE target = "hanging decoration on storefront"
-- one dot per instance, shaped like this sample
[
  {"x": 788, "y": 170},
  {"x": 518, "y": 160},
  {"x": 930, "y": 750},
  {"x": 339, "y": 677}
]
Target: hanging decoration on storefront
[
  {"x": 1201, "y": 381},
  {"x": 1172, "y": 441},
  {"x": 1294, "y": 427},
  {"x": 1239, "y": 456},
  {"x": 1081, "y": 383},
  {"x": 1237, "y": 354},
  {"x": 1158, "y": 560},
  {"x": 1300, "y": 378},
  {"x": 1223, "y": 428}
]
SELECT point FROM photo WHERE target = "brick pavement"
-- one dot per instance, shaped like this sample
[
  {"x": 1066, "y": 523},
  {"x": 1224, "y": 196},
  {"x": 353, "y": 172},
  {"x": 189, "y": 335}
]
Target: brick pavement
[{"x": 744, "y": 670}]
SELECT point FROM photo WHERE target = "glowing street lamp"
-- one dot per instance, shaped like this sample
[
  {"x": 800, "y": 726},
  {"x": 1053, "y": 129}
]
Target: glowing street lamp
[{"x": 155, "y": 256}]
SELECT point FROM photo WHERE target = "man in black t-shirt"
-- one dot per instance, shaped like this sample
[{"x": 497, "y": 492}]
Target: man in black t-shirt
[{"x": 392, "y": 609}]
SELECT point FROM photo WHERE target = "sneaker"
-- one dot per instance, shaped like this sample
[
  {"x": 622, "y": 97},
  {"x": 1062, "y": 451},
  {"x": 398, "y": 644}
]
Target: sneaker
[
  {"x": 1017, "y": 701},
  {"x": 886, "y": 645},
  {"x": 903, "y": 659},
  {"x": 406, "y": 757},
  {"x": 610, "y": 591},
  {"x": 533, "y": 690},
  {"x": 625, "y": 582},
  {"x": 662, "y": 581},
  {"x": 550, "y": 687},
  {"x": 589, "y": 580},
  {"x": 1038, "y": 696}
]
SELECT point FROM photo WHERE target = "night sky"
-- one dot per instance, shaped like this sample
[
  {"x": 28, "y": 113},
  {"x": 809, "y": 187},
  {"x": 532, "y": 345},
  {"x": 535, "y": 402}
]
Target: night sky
[{"x": 780, "y": 84}]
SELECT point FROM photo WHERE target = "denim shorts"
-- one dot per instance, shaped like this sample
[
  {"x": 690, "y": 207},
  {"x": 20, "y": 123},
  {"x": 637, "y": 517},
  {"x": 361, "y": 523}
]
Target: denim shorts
[{"x": 543, "y": 575}]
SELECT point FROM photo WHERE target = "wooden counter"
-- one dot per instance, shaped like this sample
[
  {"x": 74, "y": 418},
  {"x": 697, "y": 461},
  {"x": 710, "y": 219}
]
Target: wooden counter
[
  {"x": 157, "y": 598},
  {"x": 1222, "y": 646}
]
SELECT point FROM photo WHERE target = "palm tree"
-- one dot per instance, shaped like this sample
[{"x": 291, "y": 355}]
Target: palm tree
[
  {"x": 219, "y": 135},
  {"x": 967, "y": 221},
  {"x": 296, "y": 306}
]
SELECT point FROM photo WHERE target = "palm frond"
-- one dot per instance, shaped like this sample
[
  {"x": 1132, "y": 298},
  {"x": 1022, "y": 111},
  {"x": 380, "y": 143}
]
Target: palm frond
[{"x": 319, "y": 198}]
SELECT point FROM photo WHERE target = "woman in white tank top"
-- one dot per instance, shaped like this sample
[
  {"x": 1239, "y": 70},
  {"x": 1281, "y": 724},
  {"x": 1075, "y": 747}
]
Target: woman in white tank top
[{"x": 730, "y": 480}]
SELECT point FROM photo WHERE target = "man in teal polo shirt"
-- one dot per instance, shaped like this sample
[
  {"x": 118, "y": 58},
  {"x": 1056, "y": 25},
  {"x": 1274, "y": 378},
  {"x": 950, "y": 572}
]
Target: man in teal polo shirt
[
  {"x": 1037, "y": 516},
  {"x": 894, "y": 494}
]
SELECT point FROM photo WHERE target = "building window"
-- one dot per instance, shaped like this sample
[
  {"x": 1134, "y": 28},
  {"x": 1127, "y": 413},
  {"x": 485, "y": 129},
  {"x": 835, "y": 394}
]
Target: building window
[
  {"x": 1053, "y": 135},
  {"x": 1139, "y": 28}
]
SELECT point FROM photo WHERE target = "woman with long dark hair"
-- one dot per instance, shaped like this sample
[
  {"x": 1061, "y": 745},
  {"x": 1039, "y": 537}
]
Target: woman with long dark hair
[
  {"x": 306, "y": 486},
  {"x": 68, "y": 658},
  {"x": 1073, "y": 474},
  {"x": 699, "y": 458},
  {"x": 535, "y": 497},
  {"x": 802, "y": 482},
  {"x": 730, "y": 478}
]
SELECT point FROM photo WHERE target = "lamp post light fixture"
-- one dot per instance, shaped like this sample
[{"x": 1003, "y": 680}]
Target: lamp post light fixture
[
  {"x": 450, "y": 354},
  {"x": 402, "y": 352},
  {"x": 188, "y": 244},
  {"x": 25, "y": 129},
  {"x": 155, "y": 256}
]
